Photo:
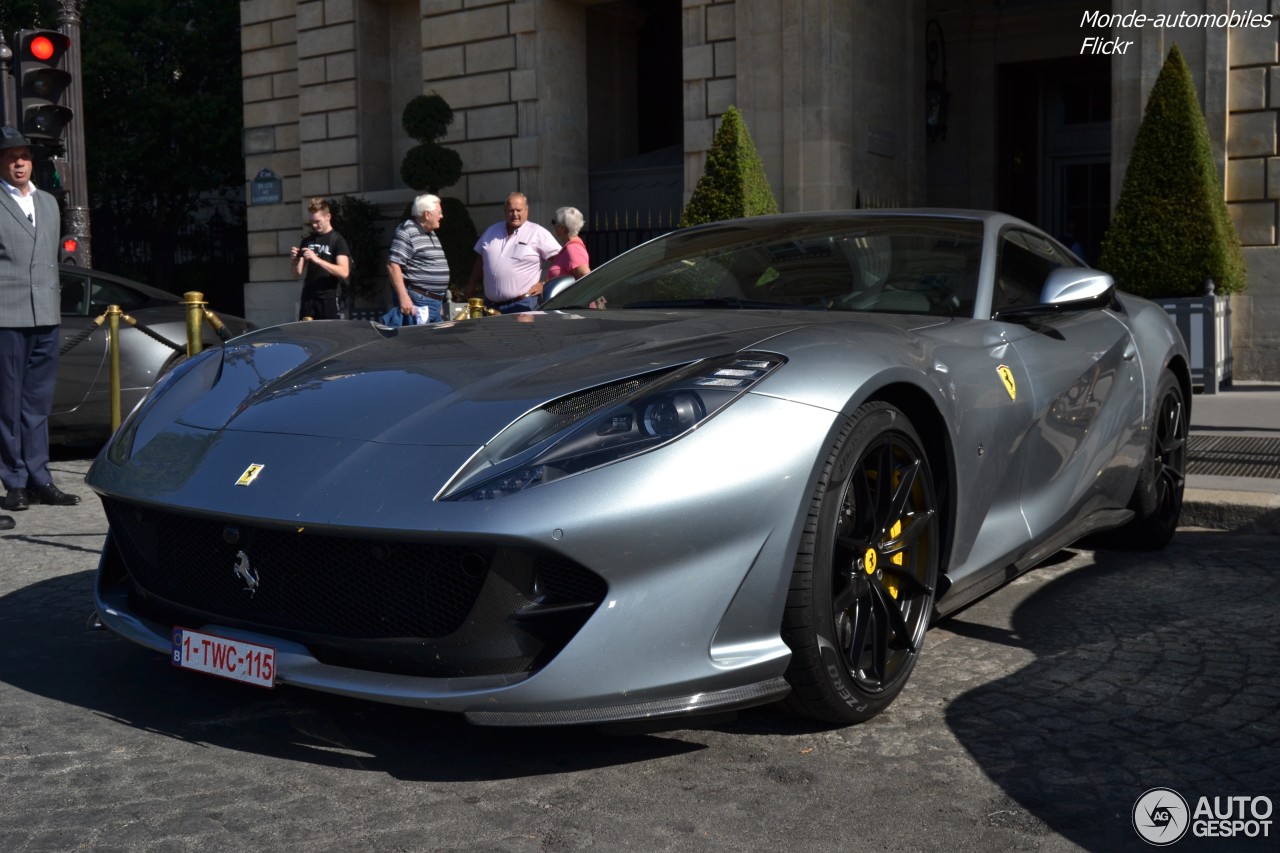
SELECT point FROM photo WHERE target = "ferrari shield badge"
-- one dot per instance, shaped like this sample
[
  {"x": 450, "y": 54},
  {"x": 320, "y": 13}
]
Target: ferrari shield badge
[
  {"x": 1006, "y": 376},
  {"x": 250, "y": 474}
]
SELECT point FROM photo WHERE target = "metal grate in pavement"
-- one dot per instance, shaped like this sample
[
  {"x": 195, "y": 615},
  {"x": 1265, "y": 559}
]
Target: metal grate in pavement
[{"x": 1234, "y": 456}]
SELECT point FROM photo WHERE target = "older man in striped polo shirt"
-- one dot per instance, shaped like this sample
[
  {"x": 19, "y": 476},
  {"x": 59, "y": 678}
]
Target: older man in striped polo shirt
[{"x": 416, "y": 263}]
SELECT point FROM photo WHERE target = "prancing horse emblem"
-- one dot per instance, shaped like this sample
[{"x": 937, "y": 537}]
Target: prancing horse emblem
[
  {"x": 246, "y": 573},
  {"x": 1010, "y": 384}
]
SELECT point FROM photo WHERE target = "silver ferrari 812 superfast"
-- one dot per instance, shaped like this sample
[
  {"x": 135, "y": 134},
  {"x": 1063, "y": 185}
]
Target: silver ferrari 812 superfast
[{"x": 745, "y": 462}]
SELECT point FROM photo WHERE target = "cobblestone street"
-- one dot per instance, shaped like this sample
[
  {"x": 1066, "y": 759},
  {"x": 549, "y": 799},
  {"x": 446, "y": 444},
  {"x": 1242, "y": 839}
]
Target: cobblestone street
[{"x": 1035, "y": 720}]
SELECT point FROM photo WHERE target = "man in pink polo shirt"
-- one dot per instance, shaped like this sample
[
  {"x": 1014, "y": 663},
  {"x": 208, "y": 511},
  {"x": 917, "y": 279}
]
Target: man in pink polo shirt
[{"x": 510, "y": 255}]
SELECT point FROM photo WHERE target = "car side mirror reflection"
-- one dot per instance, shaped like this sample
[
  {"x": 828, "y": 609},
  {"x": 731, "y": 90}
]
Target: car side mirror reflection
[
  {"x": 1067, "y": 285},
  {"x": 557, "y": 286}
]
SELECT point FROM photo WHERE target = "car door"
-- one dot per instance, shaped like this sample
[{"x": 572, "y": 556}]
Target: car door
[
  {"x": 82, "y": 364},
  {"x": 1083, "y": 374}
]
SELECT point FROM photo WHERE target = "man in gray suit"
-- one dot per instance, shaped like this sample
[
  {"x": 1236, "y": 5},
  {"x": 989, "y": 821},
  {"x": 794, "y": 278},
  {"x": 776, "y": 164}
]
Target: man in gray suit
[{"x": 30, "y": 311}]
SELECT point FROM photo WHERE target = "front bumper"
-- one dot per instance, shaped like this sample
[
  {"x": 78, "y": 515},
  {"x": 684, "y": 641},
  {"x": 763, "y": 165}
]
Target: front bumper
[
  {"x": 297, "y": 666},
  {"x": 694, "y": 551}
]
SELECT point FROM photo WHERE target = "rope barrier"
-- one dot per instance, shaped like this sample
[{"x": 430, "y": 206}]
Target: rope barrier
[
  {"x": 156, "y": 336},
  {"x": 197, "y": 311},
  {"x": 70, "y": 343}
]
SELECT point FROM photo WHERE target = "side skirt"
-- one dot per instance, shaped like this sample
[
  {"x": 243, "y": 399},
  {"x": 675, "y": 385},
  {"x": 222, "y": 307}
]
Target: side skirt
[{"x": 996, "y": 578}]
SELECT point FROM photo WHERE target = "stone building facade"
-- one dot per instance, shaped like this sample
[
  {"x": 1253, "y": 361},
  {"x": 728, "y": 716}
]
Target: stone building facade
[{"x": 557, "y": 98}]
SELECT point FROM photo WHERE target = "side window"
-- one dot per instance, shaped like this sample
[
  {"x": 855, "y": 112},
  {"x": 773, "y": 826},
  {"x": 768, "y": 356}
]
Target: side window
[
  {"x": 107, "y": 293},
  {"x": 1025, "y": 262},
  {"x": 75, "y": 294}
]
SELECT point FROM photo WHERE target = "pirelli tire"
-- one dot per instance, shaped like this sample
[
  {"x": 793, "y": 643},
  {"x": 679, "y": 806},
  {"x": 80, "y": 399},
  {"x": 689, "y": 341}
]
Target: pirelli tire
[
  {"x": 863, "y": 585},
  {"x": 1157, "y": 497}
]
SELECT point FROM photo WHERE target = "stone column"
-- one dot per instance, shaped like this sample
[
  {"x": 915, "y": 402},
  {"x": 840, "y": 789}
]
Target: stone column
[{"x": 269, "y": 68}]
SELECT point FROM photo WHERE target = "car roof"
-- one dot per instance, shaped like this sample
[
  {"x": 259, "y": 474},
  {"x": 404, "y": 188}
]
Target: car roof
[
  {"x": 989, "y": 217},
  {"x": 146, "y": 289}
]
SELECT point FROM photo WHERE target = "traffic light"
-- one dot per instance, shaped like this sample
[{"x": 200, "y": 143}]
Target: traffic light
[
  {"x": 69, "y": 251},
  {"x": 41, "y": 83}
]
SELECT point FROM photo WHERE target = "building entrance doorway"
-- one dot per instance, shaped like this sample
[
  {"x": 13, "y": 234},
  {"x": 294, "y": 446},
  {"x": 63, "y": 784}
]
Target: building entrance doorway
[
  {"x": 635, "y": 115},
  {"x": 1054, "y": 147}
]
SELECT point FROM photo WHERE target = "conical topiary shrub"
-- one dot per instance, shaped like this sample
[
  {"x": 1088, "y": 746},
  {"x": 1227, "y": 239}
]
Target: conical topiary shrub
[
  {"x": 1171, "y": 231},
  {"x": 733, "y": 183}
]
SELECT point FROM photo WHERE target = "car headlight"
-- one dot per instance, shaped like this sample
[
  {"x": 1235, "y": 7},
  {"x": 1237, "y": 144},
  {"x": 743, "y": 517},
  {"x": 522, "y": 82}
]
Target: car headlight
[{"x": 605, "y": 425}]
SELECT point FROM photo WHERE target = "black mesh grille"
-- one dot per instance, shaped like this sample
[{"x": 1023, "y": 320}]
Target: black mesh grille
[{"x": 342, "y": 594}]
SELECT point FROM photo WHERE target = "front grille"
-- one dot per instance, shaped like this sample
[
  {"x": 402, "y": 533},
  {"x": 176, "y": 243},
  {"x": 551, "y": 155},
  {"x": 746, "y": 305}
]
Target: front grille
[{"x": 386, "y": 604}]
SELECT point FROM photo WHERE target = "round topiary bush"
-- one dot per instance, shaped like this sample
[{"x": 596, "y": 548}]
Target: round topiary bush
[
  {"x": 430, "y": 166},
  {"x": 426, "y": 118}
]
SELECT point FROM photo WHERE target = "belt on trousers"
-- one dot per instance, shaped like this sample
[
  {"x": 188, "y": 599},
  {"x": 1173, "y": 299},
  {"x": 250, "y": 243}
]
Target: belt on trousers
[
  {"x": 506, "y": 302},
  {"x": 439, "y": 297}
]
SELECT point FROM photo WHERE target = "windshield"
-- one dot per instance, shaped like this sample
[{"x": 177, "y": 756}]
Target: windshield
[{"x": 915, "y": 265}]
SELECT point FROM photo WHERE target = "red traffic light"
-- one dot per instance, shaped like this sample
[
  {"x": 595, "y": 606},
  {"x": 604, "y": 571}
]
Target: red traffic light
[
  {"x": 41, "y": 85},
  {"x": 41, "y": 48},
  {"x": 69, "y": 254}
]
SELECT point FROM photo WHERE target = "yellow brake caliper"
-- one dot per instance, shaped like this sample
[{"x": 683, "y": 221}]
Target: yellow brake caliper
[
  {"x": 891, "y": 581},
  {"x": 870, "y": 561}
]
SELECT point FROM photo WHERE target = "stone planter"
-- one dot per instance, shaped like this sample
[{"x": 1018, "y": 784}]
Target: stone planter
[{"x": 1205, "y": 323}]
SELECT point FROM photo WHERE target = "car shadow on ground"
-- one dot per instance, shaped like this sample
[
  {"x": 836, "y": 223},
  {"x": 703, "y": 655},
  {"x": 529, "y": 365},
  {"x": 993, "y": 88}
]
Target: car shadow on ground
[
  {"x": 1149, "y": 671},
  {"x": 52, "y": 650}
]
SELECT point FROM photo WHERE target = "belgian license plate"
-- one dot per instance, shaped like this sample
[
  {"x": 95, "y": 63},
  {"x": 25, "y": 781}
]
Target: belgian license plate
[{"x": 238, "y": 660}]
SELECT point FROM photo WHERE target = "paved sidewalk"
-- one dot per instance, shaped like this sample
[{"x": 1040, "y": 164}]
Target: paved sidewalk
[
  {"x": 49, "y": 541},
  {"x": 1233, "y": 480}
]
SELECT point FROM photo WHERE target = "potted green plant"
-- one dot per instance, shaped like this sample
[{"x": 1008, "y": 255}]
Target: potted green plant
[
  {"x": 733, "y": 183},
  {"x": 1172, "y": 239}
]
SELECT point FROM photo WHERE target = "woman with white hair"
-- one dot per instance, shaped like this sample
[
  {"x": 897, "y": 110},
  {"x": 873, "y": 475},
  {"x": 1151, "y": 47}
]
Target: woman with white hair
[{"x": 573, "y": 259}]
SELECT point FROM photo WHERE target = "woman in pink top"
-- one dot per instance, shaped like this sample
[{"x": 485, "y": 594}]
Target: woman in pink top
[{"x": 573, "y": 259}]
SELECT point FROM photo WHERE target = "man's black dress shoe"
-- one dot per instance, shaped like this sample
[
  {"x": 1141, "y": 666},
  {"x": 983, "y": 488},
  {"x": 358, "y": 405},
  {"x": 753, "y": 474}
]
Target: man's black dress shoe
[
  {"x": 54, "y": 496},
  {"x": 17, "y": 499},
  {"x": 6, "y": 522}
]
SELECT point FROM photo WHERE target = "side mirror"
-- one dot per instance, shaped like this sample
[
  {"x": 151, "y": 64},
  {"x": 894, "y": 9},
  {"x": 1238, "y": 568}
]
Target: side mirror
[
  {"x": 557, "y": 286},
  {"x": 1067, "y": 285}
]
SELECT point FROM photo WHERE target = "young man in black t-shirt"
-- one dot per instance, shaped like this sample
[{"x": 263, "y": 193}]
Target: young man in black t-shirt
[{"x": 325, "y": 259}]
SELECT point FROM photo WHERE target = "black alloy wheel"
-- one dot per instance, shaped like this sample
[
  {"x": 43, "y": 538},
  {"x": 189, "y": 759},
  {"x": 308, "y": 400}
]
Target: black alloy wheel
[
  {"x": 1170, "y": 457},
  {"x": 862, "y": 595},
  {"x": 1157, "y": 498}
]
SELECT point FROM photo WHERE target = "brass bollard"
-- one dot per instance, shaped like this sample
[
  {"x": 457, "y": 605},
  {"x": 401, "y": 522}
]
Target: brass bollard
[
  {"x": 476, "y": 309},
  {"x": 113, "y": 355},
  {"x": 193, "y": 301}
]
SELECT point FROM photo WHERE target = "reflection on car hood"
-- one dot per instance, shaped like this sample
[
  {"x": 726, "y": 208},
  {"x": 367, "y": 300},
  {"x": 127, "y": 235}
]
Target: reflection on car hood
[{"x": 460, "y": 383}]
